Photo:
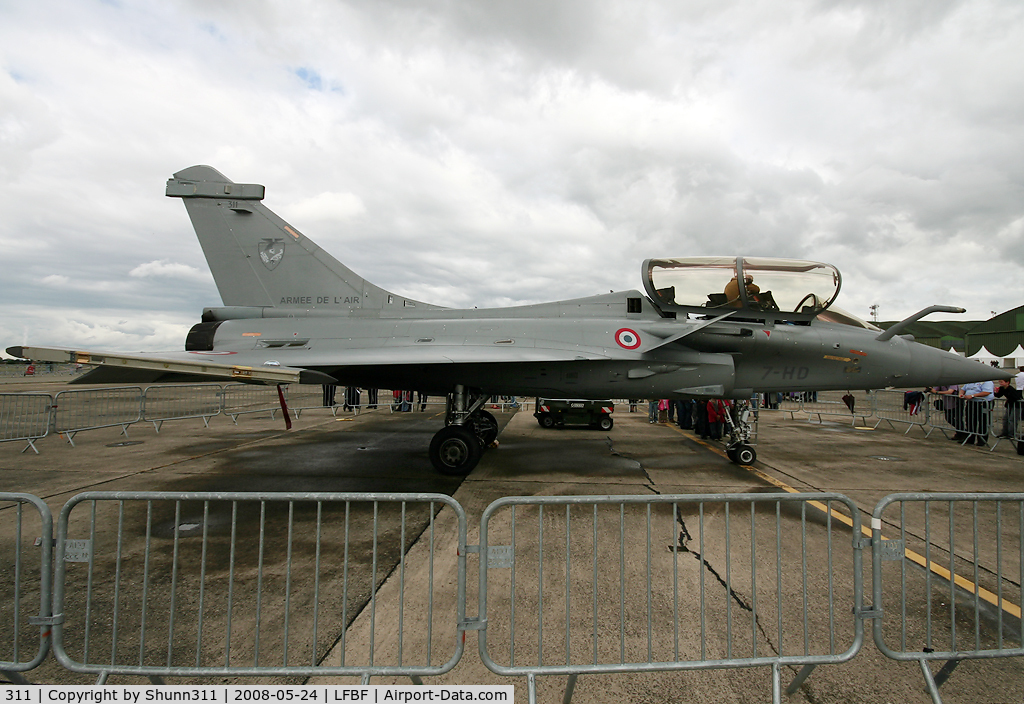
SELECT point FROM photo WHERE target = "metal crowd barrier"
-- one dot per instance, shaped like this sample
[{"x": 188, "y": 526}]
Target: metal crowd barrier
[
  {"x": 240, "y": 399},
  {"x": 26, "y": 417},
  {"x": 29, "y": 417},
  {"x": 953, "y": 608},
  {"x": 25, "y": 604},
  {"x": 974, "y": 421},
  {"x": 415, "y": 405},
  {"x": 308, "y": 397},
  {"x": 897, "y": 407},
  {"x": 90, "y": 409},
  {"x": 722, "y": 563},
  {"x": 179, "y": 402},
  {"x": 831, "y": 403},
  {"x": 245, "y": 584},
  {"x": 774, "y": 401},
  {"x": 203, "y": 584},
  {"x": 1008, "y": 419}
]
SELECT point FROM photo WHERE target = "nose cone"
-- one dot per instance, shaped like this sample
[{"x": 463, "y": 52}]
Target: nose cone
[{"x": 930, "y": 366}]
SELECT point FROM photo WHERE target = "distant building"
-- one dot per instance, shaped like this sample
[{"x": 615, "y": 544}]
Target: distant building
[
  {"x": 1000, "y": 334},
  {"x": 944, "y": 334}
]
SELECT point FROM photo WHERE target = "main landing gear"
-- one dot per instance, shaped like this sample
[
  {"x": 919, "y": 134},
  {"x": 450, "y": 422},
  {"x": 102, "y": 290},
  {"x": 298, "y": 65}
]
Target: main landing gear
[
  {"x": 738, "y": 444},
  {"x": 457, "y": 448}
]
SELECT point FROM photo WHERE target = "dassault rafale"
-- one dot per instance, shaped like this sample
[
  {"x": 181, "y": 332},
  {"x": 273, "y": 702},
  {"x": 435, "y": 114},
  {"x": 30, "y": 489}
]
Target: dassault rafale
[{"x": 704, "y": 327}]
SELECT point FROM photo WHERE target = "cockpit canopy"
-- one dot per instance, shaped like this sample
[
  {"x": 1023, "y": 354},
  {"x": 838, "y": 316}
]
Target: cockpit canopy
[{"x": 777, "y": 288}]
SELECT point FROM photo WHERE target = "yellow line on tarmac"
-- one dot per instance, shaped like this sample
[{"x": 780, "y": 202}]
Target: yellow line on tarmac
[{"x": 918, "y": 559}]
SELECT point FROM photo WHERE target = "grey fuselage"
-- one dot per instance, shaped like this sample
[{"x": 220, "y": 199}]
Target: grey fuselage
[{"x": 572, "y": 349}]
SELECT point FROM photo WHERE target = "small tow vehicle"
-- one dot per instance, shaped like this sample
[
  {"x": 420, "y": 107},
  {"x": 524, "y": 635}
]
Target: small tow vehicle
[{"x": 559, "y": 412}]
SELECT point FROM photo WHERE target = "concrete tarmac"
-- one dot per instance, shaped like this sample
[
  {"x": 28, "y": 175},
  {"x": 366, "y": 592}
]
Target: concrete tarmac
[{"x": 384, "y": 452}]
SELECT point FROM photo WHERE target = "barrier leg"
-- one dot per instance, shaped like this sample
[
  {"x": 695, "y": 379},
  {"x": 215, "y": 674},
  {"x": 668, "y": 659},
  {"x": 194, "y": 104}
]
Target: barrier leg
[
  {"x": 531, "y": 687},
  {"x": 804, "y": 673},
  {"x": 929, "y": 681},
  {"x": 14, "y": 677},
  {"x": 570, "y": 687},
  {"x": 776, "y": 683},
  {"x": 32, "y": 445}
]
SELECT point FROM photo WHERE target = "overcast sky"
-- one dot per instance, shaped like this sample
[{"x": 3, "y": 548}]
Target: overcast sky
[{"x": 495, "y": 152}]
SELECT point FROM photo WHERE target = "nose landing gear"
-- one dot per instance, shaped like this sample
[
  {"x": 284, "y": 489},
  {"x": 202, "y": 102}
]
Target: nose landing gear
[
  {"x": 738, "y": 445},
  {"x": 457, "y": 448}
]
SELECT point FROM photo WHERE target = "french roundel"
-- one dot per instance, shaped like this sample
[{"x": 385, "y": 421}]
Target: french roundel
[{"x": 627, "y": 338}]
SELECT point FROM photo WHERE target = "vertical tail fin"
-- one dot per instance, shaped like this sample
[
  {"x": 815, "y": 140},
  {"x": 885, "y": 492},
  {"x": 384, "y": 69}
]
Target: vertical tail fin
[{"x": 258, "y": 259}]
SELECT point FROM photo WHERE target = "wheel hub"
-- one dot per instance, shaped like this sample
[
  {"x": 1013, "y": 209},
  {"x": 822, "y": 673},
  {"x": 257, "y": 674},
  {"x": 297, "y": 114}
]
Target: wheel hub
[{"x": 453, "y": 452}]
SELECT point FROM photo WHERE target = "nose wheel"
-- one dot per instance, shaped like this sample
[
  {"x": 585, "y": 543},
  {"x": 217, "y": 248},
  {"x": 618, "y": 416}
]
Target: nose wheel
[
  {"x": 455, "y": 451},
  {"x": 742, "y": 454}
]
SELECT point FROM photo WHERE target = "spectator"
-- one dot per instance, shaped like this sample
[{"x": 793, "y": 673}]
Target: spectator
[
  {"x": 686, "y": 414},
  {"x": 978, "y": 397},
  {"x": 329, "y": 391},
  {"x": 1012, "y": 398},
  {"x": 716, "y": 409},
  {"x": 351, "y": 398},
  {"x": 951, "y": 407},
  {"x": 700, "y": 418}
]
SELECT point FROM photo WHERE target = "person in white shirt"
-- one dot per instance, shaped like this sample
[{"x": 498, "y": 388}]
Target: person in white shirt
[{"x": 1018, "y": 381}]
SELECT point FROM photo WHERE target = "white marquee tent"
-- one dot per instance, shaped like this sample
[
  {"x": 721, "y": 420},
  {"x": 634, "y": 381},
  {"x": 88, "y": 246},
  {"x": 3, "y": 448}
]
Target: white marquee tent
[
  {"x": 983, "y": 355},
  {"x": 1015, "y": 358}
]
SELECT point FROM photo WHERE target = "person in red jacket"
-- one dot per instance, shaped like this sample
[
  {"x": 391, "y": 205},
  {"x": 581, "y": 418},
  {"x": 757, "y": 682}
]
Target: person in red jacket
[{"x": 717, "y": 408}]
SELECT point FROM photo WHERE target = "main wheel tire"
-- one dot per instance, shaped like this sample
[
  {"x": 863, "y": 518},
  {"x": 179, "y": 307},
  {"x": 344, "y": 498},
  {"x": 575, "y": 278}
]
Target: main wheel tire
[
  {"x": 605, "y": 422},
  {"x": 546, "y": 420},
  {"x": 455, "y": 451},
  {"x": 731, "y": 452},
  {"x": 485, "y": 425},
  {"x": 745, "y": 454}
]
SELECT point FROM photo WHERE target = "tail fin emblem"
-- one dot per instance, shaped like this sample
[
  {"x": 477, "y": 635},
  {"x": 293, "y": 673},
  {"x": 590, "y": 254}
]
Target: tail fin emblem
[{"x": 271, "y": 252}]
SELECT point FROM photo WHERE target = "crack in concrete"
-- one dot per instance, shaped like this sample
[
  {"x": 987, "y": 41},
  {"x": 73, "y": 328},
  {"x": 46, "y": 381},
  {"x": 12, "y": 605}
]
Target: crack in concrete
[{"x": 640, "y": 465}]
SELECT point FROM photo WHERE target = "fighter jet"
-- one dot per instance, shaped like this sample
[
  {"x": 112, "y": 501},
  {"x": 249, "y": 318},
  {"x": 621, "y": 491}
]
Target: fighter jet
[{"x": 705, "y": 327}]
